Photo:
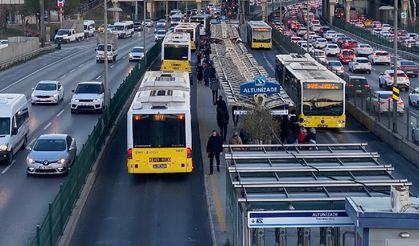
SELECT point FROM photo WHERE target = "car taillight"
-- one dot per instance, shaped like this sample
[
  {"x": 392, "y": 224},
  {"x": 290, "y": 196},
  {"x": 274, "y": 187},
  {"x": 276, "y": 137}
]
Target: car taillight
[
  {"x": 129, "y": 153},
  {"x": 401, "y": 104},
  {"x": 367, "y": 86},
  {"x": 350, "y": 85},
  {"x": 381, "y": 103},
  {"x": 188, "y": 153}
]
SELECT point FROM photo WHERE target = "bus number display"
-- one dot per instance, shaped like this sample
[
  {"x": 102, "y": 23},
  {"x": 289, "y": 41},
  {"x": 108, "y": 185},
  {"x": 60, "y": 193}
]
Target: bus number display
[{"x": 323, "y": 86}]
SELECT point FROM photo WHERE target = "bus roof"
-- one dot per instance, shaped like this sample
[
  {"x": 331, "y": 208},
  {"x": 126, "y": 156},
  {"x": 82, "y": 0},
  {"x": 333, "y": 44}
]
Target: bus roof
[
  {"x": 258, "y": 24},
  {"x": 186, "y": 25},
  {"x": 160, "y": 91},
  {"x": 200, "y": 16},
  {"x": 306, "y": 69},
  {"x": 177, "y": 38}
]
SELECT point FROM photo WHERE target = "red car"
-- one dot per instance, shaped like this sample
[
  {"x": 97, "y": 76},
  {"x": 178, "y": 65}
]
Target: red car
[
  {"x": 340, "y": 41},
  {"x": 349, "y": 44},
  {"x": 346, "y": 56}
]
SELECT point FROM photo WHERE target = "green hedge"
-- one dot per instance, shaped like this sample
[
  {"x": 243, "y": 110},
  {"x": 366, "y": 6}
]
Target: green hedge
[{"x": 59, "y": 211}]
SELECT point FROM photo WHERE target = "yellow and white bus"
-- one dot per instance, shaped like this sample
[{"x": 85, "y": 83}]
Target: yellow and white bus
[
  {"x": 259, "y": 35},
  {"x": 204, "y": 20},
  {"x": 159, "y": 133},
  {"x": 176, "y": 52},
  {"x": 318, "y": 93},
  {"x": 192, "y": 29}
]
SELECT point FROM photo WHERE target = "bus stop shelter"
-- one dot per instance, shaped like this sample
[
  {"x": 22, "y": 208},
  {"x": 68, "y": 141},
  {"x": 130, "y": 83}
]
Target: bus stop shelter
[{"x": 281, "y": 194}]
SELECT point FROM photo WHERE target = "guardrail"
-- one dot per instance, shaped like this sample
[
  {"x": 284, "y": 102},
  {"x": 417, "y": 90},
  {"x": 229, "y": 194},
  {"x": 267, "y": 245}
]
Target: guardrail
[
  {"x": 285, "y": 42},
  {"x": 25, "y": 57},
  {"x": 366, "y": 35},
  {"x": 51, "y": 228}
]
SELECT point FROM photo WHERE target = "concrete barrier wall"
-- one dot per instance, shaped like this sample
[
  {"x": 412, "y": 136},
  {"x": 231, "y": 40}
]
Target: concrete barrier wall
[
  {"x": 407, "y": 149},
  {"x": 18, "y": 46}
]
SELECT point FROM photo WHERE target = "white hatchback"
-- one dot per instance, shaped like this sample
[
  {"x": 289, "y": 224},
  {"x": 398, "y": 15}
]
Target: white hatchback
[{"x": 332, "y": 50}]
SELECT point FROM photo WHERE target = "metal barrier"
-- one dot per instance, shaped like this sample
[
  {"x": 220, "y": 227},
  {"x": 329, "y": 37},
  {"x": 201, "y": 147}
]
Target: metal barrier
[
  {"x": 367, "y": 35},
  {"x": 280, "y": 39},
  {"x": 59, "y": 211}
]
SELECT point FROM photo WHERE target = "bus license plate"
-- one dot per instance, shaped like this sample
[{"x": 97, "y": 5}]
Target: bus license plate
[
  {"x": 322, "y": 125},
  {"x": 158, "y": 166}
]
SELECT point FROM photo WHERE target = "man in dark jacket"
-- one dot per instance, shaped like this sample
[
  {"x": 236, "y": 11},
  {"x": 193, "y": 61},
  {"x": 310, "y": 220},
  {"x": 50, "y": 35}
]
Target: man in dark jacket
[
  {"x": 222, "y": 121},
  {"x": 214, "y": 148},
  {"x": 221, "y": 104}
]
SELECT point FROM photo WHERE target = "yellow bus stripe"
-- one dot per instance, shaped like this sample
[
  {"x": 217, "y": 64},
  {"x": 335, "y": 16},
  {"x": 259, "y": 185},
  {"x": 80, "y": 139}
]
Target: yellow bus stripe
[{"x": 217, "y": 203}]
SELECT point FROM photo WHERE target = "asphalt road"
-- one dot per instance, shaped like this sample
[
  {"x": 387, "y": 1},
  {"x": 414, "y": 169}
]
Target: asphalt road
[
  {"x": 24, "y": 200},
  {"x": 354, "y": 131},
  {"x": 152, "y": 210}
]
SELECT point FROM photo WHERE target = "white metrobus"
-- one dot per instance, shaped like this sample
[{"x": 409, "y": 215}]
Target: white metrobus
[
  {"x": 192, "y": 29},
  {"x": 159, "y": 132},
  {"x": 176, "y": 52},
  {"x": 318, "y": 93},
  {"x": 204, "y": 21}
]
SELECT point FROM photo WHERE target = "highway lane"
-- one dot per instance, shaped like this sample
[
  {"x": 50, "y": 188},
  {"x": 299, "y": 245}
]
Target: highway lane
[
  {"x": 23, "y": 200},
  {"x": 354, "y": 132},
  {"x": 153, "y": 210}
]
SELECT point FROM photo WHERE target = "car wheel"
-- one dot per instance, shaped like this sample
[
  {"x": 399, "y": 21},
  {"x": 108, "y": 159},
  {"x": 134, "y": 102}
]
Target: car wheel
[
  {"x": 379, "y": 84},
  {"x": 410, "y": 102},
  {"x": 9, "y": 157},
  {"x": 369, "y": 71}
]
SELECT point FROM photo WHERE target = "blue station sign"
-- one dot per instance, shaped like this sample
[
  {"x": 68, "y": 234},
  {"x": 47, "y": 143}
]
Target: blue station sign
[
  {"x": 259, "y": 86},
  {"x": 222, "y": 18}
]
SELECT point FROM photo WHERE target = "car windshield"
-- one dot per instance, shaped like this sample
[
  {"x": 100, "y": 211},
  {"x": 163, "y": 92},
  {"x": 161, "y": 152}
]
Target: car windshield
[
  {"x": 332, "y": 46},
  {"x": 4, "y": 126},
  {"x": 385, "y": 95},
  {"x": 50, "y": 145},
  {"x": 46, "y": 87},
  {"x": 101, "y": 47},
  {"x": 381, "y": 54},
  {"x": 347, "y": 53},
  {"x": 358, "y": 81},
  {"x": 89, "y": 88},
  {"x": 364, "y": 46},
  {"x": 138, "y": 50},
  {"x": 119, "y": 28},
  {"x": 407, "y": 63},
  {"x": 62, "y": 32},
  {"x": 362, "y": 60},
  {"x": 161, "y": 32},
  {"x": 399, "y": 74},
  {"x": 334, "y": 63}
]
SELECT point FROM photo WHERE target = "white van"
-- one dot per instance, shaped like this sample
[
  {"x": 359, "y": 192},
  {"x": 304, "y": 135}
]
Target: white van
[
  {"x": 124, "y": 29},
  {"x": 89, "y": 28},
  {"x": 14, "y": 126}
]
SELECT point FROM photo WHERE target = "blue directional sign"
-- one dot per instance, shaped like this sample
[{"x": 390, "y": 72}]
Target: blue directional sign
[
  {"x": 223, "y": 18},
  {"x": 259, "y": 86}
]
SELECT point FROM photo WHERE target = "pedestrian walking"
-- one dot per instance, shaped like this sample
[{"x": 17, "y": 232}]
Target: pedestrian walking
[
  {"x": 222, "y": 121},
  {"x": 302, "y": 135},
  {"x": 235, "y": 140},
  {"x": 311, "y": 136},
  {"x": 198, "y": 58},
  {"x": 199, "y": 73},
  {"x": 214, "y": 148},
  {"x": 221, "y": 104},
  {"x": 214, "y": 84},
  {"x": 235, "y": 116},
  {"x": 207, "y": 74}
]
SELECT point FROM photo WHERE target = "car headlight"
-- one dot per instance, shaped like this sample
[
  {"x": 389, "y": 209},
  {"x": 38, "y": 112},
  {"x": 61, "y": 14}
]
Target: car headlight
[
  {"x": 97, "y": 99},
  {"x": 61, "y": 161},
  {"x": 74, "y": 100},
  {"x": 30, "y": 160},
  {"x": 130, "y": 55},
  {"x": 55, "y": 94},
  {"x": 3, "y": 147}
]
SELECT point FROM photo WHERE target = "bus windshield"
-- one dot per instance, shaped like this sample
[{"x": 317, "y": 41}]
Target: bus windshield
[
  {"x": 323, "y": 100},
  {"x": 158, "y": 131},
  {"x": 190, "y": 31},
  {"x": 175, "y": 52},
  {"x": 198, "y": 20},
  {"x": 261, "y": 36}
]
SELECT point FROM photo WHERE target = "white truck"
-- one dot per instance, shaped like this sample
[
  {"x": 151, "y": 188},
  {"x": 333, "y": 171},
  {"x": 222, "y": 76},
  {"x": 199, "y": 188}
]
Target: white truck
[
  {"x": 112, "y": 47},
  {"x": 72, "y": 30}
]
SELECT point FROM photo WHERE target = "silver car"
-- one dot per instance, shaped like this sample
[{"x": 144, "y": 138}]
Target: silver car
[
  {"x": 51, "y": 154},
  {"x": 414, "y": 98}
]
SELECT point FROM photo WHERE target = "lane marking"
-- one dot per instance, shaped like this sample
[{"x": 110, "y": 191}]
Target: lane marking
[
  {"x": 48, "y": 125},
  {"x": 355, "y": 131},
  {"x": 41, "y": 69},
  {"x": 217, "y": 203},
  {"x": 111, "y": 66},
  {"x": 62, "y": 76},
  {"x": 59, "y": 113},
  {"x": 9, "y": 166},
  {"x": 98, "y": 77},
  {"x": 31, "y": 142}
]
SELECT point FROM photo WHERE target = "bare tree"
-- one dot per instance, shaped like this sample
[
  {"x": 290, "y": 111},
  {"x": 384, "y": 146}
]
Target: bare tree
[{"x": 260, "y": 126}]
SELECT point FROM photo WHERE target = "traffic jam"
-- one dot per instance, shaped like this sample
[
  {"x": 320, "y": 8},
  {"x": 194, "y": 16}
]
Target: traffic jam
[{"x": 368, "y": 70}]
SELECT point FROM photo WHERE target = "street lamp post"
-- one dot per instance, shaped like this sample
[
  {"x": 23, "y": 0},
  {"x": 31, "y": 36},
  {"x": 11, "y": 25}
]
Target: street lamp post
[
  {"x": 396, "y": 34},
  {"x": 308, "y": 28},
  {"x": 144, "y": 31}
]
